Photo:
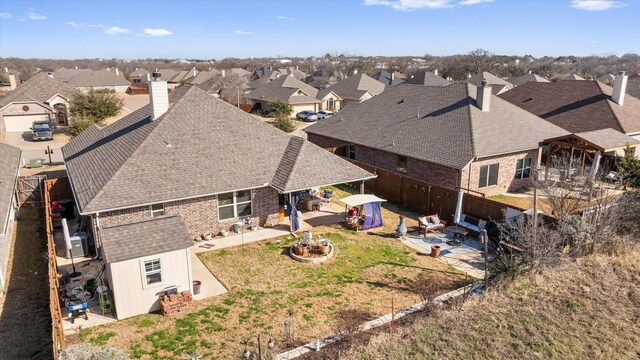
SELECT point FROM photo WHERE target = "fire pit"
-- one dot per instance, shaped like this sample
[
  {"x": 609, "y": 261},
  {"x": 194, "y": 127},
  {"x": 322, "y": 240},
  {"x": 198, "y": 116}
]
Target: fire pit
[{"x": 311, "y": 251}]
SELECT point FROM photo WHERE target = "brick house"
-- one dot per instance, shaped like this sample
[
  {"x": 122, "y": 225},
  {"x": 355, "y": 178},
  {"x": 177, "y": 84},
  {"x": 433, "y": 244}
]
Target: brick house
[
  {"x": 456, "y": 136},
  {"x": 190, "y": 159}
]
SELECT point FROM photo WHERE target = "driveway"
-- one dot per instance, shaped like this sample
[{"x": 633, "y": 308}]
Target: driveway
[{"x": 36, "y": 149}]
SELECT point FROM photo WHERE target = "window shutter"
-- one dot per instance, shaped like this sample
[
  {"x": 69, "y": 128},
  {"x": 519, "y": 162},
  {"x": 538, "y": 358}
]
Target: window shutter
[
  {"x": 483, "y": 176},
  {"x": 493, "y": 174}
]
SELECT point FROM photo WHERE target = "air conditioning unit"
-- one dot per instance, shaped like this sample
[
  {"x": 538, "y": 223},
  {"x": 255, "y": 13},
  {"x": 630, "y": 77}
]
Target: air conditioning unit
[{"x": 76, "y": 244}]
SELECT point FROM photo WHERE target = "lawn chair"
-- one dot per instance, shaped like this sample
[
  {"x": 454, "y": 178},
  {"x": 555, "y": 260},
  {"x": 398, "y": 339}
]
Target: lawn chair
[{"x": 327, "y": 196}]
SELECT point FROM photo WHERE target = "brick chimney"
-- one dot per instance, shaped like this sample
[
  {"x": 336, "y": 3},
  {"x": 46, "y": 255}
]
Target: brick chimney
[
  {"x": 158, "y": 96},
  {"x": 483, "y": 96},
  {"x": 619, "y": 88}
]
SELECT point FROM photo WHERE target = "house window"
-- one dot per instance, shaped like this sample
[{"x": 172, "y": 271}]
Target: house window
[
  {"x": 330, "y": 104},
  {"x": 157, "y": 210},
  {"x": 401, "y": 164},
  {"x": 523, "y": 168},
  {"x": 488, "y": 175},
  {"x": 351, "y": 152},
  {"x": 234, "y": 204},
  {"x": 152, "y": 272}
]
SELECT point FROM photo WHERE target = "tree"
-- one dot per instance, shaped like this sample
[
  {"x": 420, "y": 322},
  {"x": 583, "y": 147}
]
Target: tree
[
  {"x": 630, "y": 168},
  {"x": 282, "y": 112},
  {"x": 96, "y": 105},
  {"x": 79, "y": 123}
]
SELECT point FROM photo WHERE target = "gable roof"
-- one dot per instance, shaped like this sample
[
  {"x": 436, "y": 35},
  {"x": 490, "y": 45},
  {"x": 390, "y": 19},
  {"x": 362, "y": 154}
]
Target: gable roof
[
  {"x": 517, "y": 81},
  {"x": 387, "y": 78},
  {"x": 427, "y": 78},
  {"x": 204, "y": 76},
  {"x": 152, "y": 236},
  {"x": 604, "y": 139},
  {"x": 215, "y": 148},
  {"x": 577, "y": 105},
  {"x": 284, "y": 88},
  {"x": 139, "y": 73},
  {"x": 166, "y": 74},
  {"x": 9, "y": 164},
  {"x": 606, "y": 79},
  {"x": 572, "y": 77},
  {"x": 476, "y": 80},
  {"x": 438, "y": 124},
  {"x": 90, "y": 78},
  {"x": 39, "y": 88},
  {"x": 633, "y": 87},
  {"x": 355, "y": 86}
]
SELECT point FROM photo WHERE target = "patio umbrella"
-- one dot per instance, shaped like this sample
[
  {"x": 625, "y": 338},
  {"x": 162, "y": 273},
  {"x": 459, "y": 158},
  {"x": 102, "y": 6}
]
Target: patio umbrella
[{"x": 456, "y": 218}]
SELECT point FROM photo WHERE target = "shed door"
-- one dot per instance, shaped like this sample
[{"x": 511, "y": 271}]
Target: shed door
[{"x": 21, "y": 123}]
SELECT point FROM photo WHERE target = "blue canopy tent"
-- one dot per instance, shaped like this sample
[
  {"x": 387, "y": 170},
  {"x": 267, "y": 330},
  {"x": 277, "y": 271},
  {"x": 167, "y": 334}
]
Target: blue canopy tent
[{"x": 369, "y": 212}]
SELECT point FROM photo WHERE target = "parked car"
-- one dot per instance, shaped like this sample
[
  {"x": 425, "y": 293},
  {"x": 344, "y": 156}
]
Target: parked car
[
  {"x": 307, "y": 115},
  {"x": 323, "y": 114},
  {"x": 41, "y": 130}
]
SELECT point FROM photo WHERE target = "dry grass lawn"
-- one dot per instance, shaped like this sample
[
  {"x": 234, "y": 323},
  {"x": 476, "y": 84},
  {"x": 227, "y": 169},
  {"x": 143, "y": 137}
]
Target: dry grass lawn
[
  {"x": 587, "y": 309},
  {"x": 266, "y": 287}
]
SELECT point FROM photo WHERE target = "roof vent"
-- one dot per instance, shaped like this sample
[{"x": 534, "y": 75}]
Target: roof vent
[{"x": 401, "y": 101}]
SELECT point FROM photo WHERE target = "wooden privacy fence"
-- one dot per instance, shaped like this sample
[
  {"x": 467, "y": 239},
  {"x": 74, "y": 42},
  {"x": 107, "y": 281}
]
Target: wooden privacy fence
[
  {"x": 29, "y": 189},
  {"x": 54, "y": 189},
  {"x": 429, "y": 198}
]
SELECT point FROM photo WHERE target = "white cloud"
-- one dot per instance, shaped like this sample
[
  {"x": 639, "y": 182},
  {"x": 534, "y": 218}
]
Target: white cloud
[
  {"x": 596, "y": 5},
  {"x": 408, "y": 5},
  {"x": 100, "y": 26},
  {"x": 74, "y": 24},
  {"x": 5, "y": 15},
  {"x": 157, "y": 32},
  {"x": 32, "y": 15},
  {"x": 282, "y": 17},
  {"x": 116, "y": 30},
  {"x": 242, "y": 32},
  {"x": 474, "y": 2}
]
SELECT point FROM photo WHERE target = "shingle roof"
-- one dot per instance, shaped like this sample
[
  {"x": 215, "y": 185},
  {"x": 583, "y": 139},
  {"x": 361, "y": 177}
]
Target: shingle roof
[
  {"x": 572, "y": 77},
  {"x": 607, "y": 139},
  {"x": 606, "y": 79},
  {"x": 215, "y": 148},
  {"x": 517, "y": 81},
  {"x": 238, "y": 71},
  {"x": 91, "y": 78},
  {"x": 633, "y": 88},
  {"x": 438, "y": 124},
  {"x": 139, "y": 73},
  {"x": 204, "y": 76},
  {"x": 284, "y": 88},
  {"x": 355, "y": 86},
  {"x": 577, "y": 105},
  {"x": 428, "y": 78},
  {"x": 503, "y": 85},
  {"x": 141, "y": 238},
  {"x": 39, "y": 88},
  {"x": 386, "y": 78},
  {"x": 9, "y": 164},
  {"x": 166, "y": 74}
]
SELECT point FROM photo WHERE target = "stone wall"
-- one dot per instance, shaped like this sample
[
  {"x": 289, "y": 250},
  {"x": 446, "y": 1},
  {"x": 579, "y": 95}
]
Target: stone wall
[{"x": 200, "y": 215}]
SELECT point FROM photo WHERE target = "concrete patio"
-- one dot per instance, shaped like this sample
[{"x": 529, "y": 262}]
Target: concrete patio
[{"x": 468, "y": 257}]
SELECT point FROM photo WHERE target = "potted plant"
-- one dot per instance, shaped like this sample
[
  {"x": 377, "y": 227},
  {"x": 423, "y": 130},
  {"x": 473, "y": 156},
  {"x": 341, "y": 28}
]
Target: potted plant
[{"x": 207, "y": 236}]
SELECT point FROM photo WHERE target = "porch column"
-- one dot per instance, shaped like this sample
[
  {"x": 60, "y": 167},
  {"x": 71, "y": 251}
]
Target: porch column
[
  {"x": 290, "y": 213},
  {"x": 362, "y": 187},
  {"x": 546, "y": 168}
]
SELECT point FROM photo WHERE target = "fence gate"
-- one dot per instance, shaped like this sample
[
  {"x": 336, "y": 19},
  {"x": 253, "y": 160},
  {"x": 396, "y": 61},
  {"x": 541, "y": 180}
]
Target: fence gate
[{"x": 30, "y": 190}]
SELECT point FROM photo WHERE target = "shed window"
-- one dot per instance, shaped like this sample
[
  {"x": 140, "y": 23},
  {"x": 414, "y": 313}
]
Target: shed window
[
  {"x": 523, "y": 168},
  {"x": 234, "y": 204},
  {"x": 401, "y": 164},
  {"x": 157, "y": 210},
  {"x": 152, "y": 272},
  {"x": 488, "y": 175},
  {"x": 351, "y": 152}
]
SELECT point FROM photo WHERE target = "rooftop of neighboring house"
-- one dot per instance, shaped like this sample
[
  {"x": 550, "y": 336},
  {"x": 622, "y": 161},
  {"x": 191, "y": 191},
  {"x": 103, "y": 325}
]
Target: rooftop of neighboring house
[
  {"x": 285, "y": 88},
  {"x": 519, "y": 80},
  {"x": 91, "y": 78},
  {"x": 437, "y": 124},
  {"x": 498, "y": 85},
  {"x": 9, "y": 165},
  {"x": 290, "y": 70},
  {"x": 167, "y": 74},
  {"x": 606, "y": 79},
  {"x": 41, "y": 87},
  {"x": 387, "y": 78},
  {"x": 204, "y": 76},
  {"x": 427, "y": 78},
  {"x": 140, "y": 161},
  {"x": 572, "y": 77},
  {"x": 633, "y": 87},
  {"x": 577, "y": 105},
  {"x": 237, "y": 71},
  {"x": 355, "y": 86}
]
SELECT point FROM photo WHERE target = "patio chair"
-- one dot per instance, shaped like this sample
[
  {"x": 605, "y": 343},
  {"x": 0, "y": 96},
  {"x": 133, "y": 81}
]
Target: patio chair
[
  {"x": 431, "y": 223},
  {"x": 327, "y": 196}
]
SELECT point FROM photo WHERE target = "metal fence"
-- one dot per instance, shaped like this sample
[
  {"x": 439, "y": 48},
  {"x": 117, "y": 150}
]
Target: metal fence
[{"x": 429, "y": 198}]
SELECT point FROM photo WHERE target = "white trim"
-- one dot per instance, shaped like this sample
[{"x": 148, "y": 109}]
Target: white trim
[
  {"x": 234, "y": 205},
  {"x": 157, "y": 210},
  {"x": 329, "y": 184},
  {"x": 143, "y": 268}
]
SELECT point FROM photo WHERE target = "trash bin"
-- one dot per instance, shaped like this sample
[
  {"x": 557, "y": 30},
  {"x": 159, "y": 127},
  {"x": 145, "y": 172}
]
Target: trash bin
[
  {"x": 196, "y": 287},
  {"x": 68, "y": 205}
]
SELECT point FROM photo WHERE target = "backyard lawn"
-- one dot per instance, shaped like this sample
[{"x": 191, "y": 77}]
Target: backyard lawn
[{"x": 267, "y": 287}]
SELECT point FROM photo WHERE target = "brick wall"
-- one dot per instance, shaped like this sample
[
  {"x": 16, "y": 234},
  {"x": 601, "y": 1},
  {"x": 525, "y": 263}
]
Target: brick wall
[
  {"x": 200, "y": 215},
  {"x": 419, "y": 169},
  {"x": 506, "y": 173}
]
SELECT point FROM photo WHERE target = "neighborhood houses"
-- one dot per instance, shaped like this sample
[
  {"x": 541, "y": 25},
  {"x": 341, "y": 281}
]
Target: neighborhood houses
[{"x": 191, "y": 185}]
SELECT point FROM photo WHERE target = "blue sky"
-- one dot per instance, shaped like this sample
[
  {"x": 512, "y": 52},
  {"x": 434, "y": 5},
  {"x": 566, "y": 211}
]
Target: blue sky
[{"x": 218, "y": 29}]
